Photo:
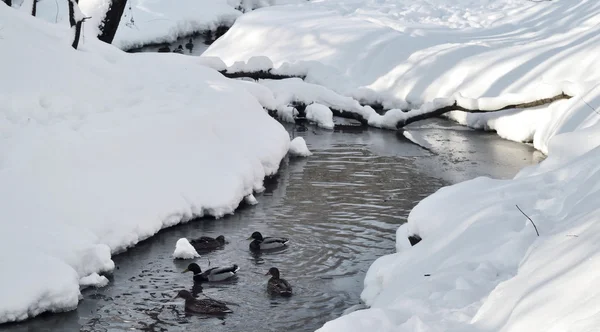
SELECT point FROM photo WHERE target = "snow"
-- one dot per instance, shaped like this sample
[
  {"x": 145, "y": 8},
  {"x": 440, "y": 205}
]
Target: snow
[
  {"x": 320, "y": 114},
  {"x": 184, "y": 250},
  {"x": 100, "y": 149},
  {"x": 250, "y": 200},
  {"x": 298, "y": 148},
  {"x": 480, "y": 265},
  {"x": 93, "y": 279}
]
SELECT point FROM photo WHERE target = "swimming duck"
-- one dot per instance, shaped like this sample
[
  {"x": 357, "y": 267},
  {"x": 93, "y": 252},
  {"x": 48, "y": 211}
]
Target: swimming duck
[
  {"x": 179, "y": 50},
  {"x": 266, "y": 243},
  {"x": 214, "y": 274},
  {"x": 276, "y": 285},
  {"x": 190, "y": 45},
  {"x": 204, "y": 306},
  {"x": 208, "y": 243},
  {"x": 164, "y": 49}
]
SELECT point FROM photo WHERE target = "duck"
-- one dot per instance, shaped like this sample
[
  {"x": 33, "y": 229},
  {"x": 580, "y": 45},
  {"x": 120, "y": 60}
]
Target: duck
[
  {"x": 190, "y": 45},
  {"x": 179, "y": 50},
  {"x": 266, "y": 243},
  {"x": 214, "y": 274},
  {"x": 208, "y": 243},
  {"x": 164, "y": 49},
  {"x": 276, "y": 285},
  {"x": 204, "y": 306}
]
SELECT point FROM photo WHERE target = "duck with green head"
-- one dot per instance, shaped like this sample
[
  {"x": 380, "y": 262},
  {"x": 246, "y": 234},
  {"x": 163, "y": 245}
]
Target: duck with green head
[
  {"x": 265, "y": 243},
  {"x": 214, "y": 274},
  {"x": 203, "y": 306},
  {"x": 276, "y": 285}
]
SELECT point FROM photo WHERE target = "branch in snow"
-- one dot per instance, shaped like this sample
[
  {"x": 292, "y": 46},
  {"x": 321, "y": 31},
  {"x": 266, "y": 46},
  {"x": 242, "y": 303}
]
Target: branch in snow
[
  {"x": 534, "y": 226},
  {"x": 431, "y": 110}
]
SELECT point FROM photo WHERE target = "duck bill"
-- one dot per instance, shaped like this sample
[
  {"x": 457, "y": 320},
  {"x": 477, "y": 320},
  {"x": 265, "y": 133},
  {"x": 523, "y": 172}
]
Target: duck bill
[
  {"x": 250, "y": 238},
  {"x": 184, "y": 271},
  {"x": 268, "y": 273}
]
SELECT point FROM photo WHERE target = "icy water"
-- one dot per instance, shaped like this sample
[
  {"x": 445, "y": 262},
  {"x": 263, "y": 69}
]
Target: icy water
[{"x": 340, "y": 207}]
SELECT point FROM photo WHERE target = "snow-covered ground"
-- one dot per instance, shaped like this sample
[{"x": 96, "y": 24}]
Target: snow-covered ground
[
  {"x": 152, "y": 21},
  {"x": 100, "y": 149},
  {"x": 480, "y": 266}
]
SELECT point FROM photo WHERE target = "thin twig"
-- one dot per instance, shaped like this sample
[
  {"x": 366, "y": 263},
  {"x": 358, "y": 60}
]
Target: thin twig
[{"x": 534, "y": 226}]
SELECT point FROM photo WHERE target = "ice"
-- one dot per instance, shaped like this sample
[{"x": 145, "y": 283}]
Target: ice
[
  {"x": 184, "y": 250},
  {"x": 298, "y": 148},
  {"x": 320, "y": 114},
  {"x": 100, "y": 149}
]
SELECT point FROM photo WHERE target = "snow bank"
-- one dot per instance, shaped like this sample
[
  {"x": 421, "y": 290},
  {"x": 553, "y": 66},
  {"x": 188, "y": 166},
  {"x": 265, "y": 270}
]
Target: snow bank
[
  {"x": 184, "y": 250},
  {"x": 320, "y": 114},
  {"x": 146, "y": 22},
  {"x": 298, "y": 148},
  {"x": 408, "y": 53},
  {"x": 100, "y": 149},
  {"x": 481, "y": 266}
]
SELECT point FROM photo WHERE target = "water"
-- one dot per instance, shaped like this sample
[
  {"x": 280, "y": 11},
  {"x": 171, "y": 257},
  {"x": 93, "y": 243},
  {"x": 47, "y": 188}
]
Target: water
[{"x": 340, "y": 208}]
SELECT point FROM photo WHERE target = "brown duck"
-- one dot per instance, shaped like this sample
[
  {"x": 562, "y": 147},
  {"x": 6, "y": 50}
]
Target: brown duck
[{"x": 203, "y": 306}]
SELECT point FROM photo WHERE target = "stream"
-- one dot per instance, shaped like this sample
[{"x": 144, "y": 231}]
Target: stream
[{"x": 340, "y": 208}]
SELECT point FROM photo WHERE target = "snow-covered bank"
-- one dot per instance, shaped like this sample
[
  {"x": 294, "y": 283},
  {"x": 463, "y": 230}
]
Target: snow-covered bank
[
  {"x": 153, "y": 22},
  {"x": 480, "y": 266},
  {"x": 396, "y": 52},
  {"x": 100, "y": 149}
]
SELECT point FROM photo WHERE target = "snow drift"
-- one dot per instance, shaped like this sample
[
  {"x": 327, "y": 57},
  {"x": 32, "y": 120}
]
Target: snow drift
[{"x": 100, "y": 149}]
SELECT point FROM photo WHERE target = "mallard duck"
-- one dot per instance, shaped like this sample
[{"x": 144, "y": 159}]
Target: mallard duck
[
  {"x": 179, "y": 50},
  {"x": 214, "y": 274},
  {"x": 276, "y": 285},
  {"x": 164, "y": 49},
  {"x": 266, "y": 243},
  {"x": 190, "y": 45},
  {"x": 208, "y": 243},
  {"x": 204, "y": 306}
]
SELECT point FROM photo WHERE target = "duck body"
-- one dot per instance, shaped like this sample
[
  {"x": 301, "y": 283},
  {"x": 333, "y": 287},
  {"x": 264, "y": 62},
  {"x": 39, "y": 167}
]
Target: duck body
[
  {"x": 204, "y": 306},
  {"x": 208, "y": 243},
  {"x": 278, "y": 286},
  {"x": 214, "y": 274},
  {"x": 190, "y": 45},
  {"x": 266, "y": 243},
  {"x": 179, "y": 50}
]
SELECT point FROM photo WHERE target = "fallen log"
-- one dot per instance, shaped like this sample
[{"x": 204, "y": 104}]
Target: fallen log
[
  {"x": 259, "y": 75},
  {"x": 301, "y": 108},
  {"x": 418, "y": 116}
]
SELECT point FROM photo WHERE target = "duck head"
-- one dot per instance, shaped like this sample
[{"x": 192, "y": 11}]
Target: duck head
[
  {"x": 194, "y": 268},
  {"x": 220, "y": 239},
  {"x": 186, "y": 295},
  {"x": 273, "y": 272},
  {"x": 256, "y": 236}
]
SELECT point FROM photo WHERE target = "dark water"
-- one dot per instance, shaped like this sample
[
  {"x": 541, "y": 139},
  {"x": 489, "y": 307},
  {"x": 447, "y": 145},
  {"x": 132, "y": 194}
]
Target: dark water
[{"x": 340, "y": 207}]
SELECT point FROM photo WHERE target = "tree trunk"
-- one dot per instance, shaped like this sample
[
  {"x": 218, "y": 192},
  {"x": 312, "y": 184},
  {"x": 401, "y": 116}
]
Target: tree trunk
[
  {"x": 110, "y": 24},
  {"x": 77, "y": 34},
  {"x": 76, "y": 22},
  {"x": 34, "y": 8},
  {"x": 72, "y": 13},
  {"x": 8, "y": 2}
]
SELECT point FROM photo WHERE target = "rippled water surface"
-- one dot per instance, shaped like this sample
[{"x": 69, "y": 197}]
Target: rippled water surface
[{"x": 340, "y": 207}]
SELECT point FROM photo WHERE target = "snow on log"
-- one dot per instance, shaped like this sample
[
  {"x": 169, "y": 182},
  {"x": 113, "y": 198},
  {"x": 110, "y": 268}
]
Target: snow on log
[{"x": 427, "y": 111}]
